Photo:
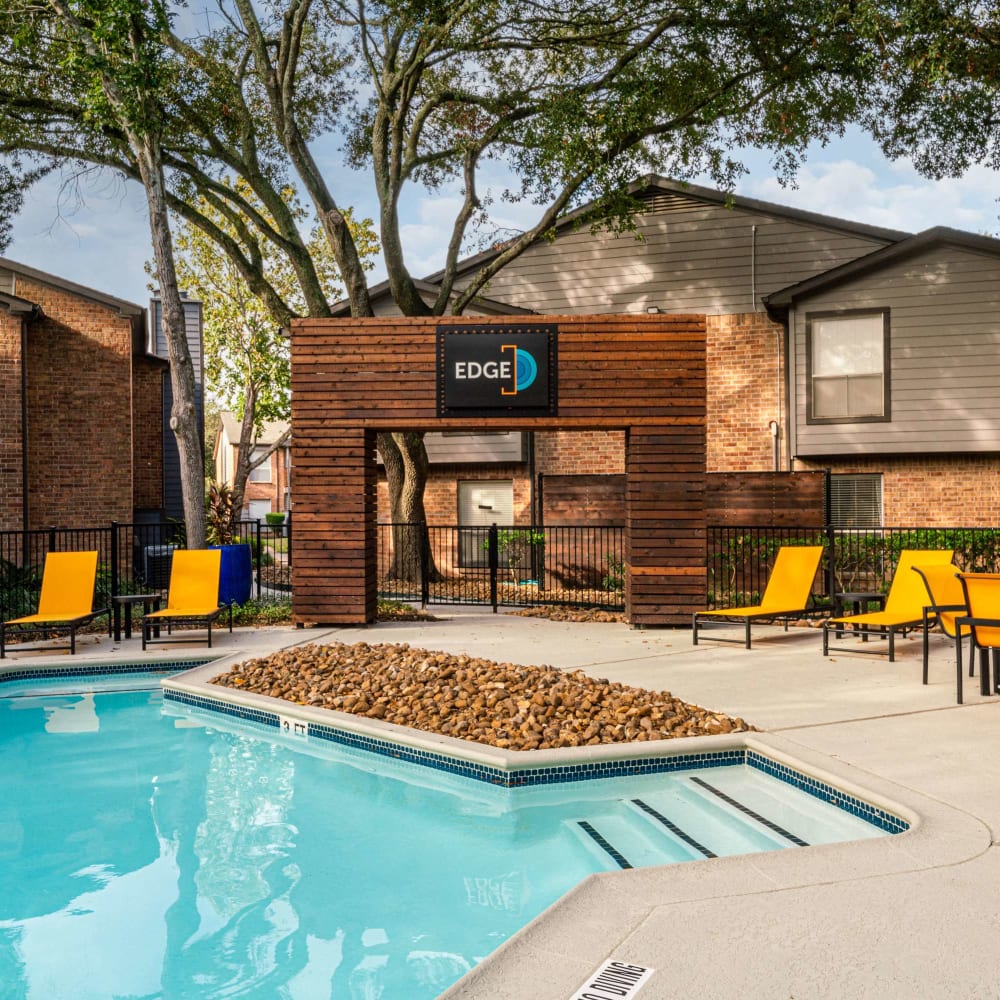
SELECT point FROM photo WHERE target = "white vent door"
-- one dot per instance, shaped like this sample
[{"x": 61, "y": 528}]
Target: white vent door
[{"x": 481, "y": 504}]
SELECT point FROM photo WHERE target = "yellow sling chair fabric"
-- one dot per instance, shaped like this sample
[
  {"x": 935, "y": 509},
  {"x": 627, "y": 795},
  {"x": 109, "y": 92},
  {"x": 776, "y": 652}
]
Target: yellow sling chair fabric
[
  {"x": 66, "y": 601},
  {"x": 786, "y": 595},
  {"x": 904, "y": 605},
  {"x": 946, "y": 604},
  {"x": 192, "y": 597}
]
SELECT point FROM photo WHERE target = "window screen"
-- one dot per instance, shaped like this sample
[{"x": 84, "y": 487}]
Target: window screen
[
  {"x": 847, "y": 366},
  {"x": 856, "y": 501}
]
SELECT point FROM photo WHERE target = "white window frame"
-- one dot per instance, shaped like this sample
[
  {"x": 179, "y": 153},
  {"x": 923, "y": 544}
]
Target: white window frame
[{"x": 262, "y": 474}]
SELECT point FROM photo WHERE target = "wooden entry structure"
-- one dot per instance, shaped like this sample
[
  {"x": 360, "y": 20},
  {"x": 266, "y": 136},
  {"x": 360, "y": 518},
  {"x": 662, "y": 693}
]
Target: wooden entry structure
[{"x": 352, "y": 378}]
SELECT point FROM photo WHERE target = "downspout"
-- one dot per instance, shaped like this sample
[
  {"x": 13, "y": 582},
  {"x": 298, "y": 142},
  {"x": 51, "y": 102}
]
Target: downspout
[
  {"x": 24, "y": 423},
  {"x": 532, "y": 499}
]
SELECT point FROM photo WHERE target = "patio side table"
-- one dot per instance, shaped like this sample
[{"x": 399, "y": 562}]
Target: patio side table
[
  {"x": 149, "y": 602},
  {"x": 860, "y": 601}
]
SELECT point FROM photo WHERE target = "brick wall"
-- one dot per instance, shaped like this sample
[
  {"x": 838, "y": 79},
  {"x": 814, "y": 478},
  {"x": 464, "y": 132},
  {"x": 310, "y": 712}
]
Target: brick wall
[
  {"x": 565, "y": 453},
  {"x": 80, "y": 411},
  {"x": 274, "y": 491},
  {"x": 441, "y": 493},
  {"x": 10, "y": 422},
  {"x": 147, "y": 451},
  {"x": 556, "y": 453},
  {"x": 745, "y": 379},
  {"x": 937, "y": 491}
]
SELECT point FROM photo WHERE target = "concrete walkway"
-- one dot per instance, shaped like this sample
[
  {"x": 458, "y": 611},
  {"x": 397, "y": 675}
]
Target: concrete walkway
[{"x": 911, "y": 916}]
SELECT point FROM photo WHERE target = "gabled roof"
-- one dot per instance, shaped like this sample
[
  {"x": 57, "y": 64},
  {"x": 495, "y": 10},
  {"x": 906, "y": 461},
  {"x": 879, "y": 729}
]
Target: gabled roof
[
  {"x": 126, "y": 309},
  {"x": 652, "y": 185},
  {"x": 272, "y": 429},
  {"x": 20, "y": 306},
  {"x": 778, "y": 302},
  {"x": 430, "y": 291}
]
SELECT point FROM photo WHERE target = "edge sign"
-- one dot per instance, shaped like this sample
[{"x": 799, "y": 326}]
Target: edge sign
[{"x": 493, "y": 370}]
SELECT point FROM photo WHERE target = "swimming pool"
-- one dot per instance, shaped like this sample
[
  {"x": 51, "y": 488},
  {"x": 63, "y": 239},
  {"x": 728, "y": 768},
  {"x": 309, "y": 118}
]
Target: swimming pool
[{"x": 157, "y": 850}]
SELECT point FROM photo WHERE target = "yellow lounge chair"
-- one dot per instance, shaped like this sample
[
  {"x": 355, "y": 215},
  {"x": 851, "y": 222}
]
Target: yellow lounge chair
[
  {"x": 192, "y": 595},
  {"x": 785, "y": 597},
  {"x": 66, "y": 601},
  {"x": 904, "y": 605},
  {"x": 946, "y": 604},
  {"x": 982, "y": 599}
]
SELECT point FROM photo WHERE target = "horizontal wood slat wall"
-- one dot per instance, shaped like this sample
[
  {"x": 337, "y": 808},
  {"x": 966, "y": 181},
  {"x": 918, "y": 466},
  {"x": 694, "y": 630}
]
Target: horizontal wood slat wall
[
  {"x": 354, "y": 377},
  {"x": 751, "y": 499},
  {"x": 585, "y": 499}
]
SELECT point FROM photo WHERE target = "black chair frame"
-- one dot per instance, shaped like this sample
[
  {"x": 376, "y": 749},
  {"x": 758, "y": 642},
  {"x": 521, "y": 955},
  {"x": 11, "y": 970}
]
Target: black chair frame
[
  {"x": 149, "y": 624},
  {"x": 62, "y": 625}
]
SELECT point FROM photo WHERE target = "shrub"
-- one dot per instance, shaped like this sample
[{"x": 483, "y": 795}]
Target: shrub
[{"x": 614, "y": 578}]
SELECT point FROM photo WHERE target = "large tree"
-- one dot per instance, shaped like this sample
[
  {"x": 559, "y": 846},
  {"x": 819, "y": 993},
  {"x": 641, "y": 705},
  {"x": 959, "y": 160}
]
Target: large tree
[
  {"x": 938, "y": 100},
  {"x": 245, "y": 351},
  {"x": 112, "y": 57},
  {"x": 573, "y": 98}
]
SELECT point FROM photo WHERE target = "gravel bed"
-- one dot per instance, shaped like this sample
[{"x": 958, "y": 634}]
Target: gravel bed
[{"x": 498, "y": 704}]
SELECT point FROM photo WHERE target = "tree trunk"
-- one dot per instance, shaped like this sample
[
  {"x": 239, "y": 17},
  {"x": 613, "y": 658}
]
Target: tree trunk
[
  {"x": 406, "y": 467},
  {"x": 184, "y": 411},
  {"x": 244, "y": 451}
]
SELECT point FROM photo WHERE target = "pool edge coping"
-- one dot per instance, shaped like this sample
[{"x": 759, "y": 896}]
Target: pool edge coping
[
  {"x": 939, "y": 835},
  {"x": 196, "y": 683}
]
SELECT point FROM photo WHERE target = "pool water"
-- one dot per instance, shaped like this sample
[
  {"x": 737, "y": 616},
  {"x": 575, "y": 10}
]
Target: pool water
[{"x": 157, "y": 851}]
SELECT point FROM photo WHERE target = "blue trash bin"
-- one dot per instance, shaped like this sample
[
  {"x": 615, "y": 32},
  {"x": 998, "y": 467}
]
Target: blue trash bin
[{"x": 236, "y": 574}]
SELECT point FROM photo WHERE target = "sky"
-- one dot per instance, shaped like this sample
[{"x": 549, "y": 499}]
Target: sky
[{"x": 96, "y": 232}]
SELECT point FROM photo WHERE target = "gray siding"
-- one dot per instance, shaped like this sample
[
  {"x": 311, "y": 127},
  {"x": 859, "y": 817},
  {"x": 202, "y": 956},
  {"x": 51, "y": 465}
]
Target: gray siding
[
  {"x": 944, "y": 355},
  {"x": 457, "y": 449},
  {"x": 173, "y": 500},
  {"x": 692, "y": 257}
]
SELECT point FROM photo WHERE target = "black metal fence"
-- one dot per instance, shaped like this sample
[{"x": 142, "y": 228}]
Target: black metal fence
[
  {"x": 132, "y": 559},
  {"x": 863, "y": 560},
  {"x": 511, "y": 565}
]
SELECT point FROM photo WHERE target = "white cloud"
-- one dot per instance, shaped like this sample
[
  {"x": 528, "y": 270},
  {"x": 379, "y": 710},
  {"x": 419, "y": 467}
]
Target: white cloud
[
  {"x": 894, "y": 196},
  {"x": 100, "y": 239}
]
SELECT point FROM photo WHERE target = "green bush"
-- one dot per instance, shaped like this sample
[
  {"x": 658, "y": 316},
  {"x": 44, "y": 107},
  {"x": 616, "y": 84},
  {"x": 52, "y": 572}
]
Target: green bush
[
  {"x": 514, "y": 544},
  {"x": 614, "y": 578},
  {"x": 19, "y": 589},
  {"x": 263, "y": 612}
]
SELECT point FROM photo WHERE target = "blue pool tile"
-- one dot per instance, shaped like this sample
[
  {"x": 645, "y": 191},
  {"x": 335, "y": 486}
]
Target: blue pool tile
[
  {"x": 563, "y": 773},
  {"x": 83, "y": 671}
]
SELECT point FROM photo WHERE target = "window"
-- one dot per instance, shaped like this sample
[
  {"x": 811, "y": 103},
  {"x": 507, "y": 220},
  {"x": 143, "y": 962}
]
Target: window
[
  {"x": 856, "y": 501},
  {"x": 262, "y": 474},
  {"x": 847, "y": 355},
  {"x": 257, "y": 510}
]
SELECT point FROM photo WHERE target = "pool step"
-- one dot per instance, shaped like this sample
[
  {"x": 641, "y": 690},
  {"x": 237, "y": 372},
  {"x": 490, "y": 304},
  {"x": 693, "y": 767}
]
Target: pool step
[
  {"x": 803, "y": 818},
  {"x": 694, "y": 818},
  {"x": 625, "y": 839}
]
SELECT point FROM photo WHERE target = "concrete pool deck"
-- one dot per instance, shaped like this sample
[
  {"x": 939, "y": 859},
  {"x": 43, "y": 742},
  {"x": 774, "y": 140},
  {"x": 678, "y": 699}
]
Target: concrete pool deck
[{"x": 915, "y": 916}]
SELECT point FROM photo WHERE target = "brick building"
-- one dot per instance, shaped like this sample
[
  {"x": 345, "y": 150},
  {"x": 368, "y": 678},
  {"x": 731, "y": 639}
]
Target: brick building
[
  {"x": 81, "y": 405},
  {"x": 798, "y": 306},
  {"x": 267, "y": 488}
]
